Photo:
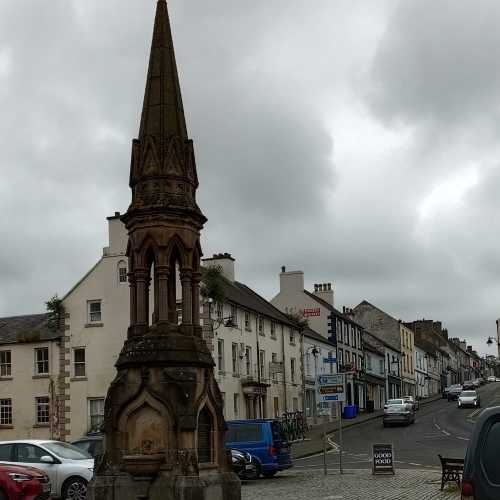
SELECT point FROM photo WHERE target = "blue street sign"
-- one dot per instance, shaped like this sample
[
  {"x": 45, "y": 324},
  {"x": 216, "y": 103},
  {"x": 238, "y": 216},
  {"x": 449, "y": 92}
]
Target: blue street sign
[
  {"x": 330, "y": 360},
  {"x": 331, "y": 397}
]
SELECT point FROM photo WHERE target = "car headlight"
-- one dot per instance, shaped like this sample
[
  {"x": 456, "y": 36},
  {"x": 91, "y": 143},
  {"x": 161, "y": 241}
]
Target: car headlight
[{"x": 20, "y": 477}]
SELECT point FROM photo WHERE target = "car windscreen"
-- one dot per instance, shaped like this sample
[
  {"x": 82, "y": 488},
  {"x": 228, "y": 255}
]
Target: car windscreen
[
  {"x": 395, "y": 402},
  {"x": 66, "y": 451},
  {"x": 239, "y": 433},
  {"x": 468, "y": 394}
]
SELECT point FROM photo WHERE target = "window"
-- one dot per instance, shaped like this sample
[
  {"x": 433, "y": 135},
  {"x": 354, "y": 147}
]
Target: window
[
  {"x": 29, "y": 453},
  {"x": 262, "y": 359},
  {"x": 248, "y": 325},
  {"x": 292, "y": 369},
  {"x": 368, "y": 363},
  {"x": 42, "y": 406},
  {"x": 244, "y": 433},
  {"x": 220, "y": 355},
  {"x": 5, "y": 411},
  {"x": 223, "y": 397},
  {"x": 96, "y": 414},
  {"x": 234, "y": 314},
  {"x": 79, "y": 362},
  {"x": 234, "y": 358},
  {"x": 273, "y": 330},
  {"x": 5, "y": 364},
  {"x": 6, "y": 452},
  {"x": 360, "y": 362},
  {"x": 220, "y": 310},
  {"x": 341, "y": 356},
  {"x": 94, "y": 311},
  {"x": 381, "y": 366},
  {"x": 42, "y": 361},
  {"x": 205, "y": 436},
  {"x": 236, "y": 405},
  {"x": 261, "y": 326},
  {"x": 295, "y": 404},
  {"x": 353, "y": 337},
  {"x": 122, "y": 272},
  {"x": 346, "y": 335},
  {"x": 274, "y": 360},
  {"x": 248, "y": 361},
  {"x": 292, "y": 337}
]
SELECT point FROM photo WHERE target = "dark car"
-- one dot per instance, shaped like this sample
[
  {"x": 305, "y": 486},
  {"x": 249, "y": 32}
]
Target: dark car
[
  {"x": 469, "y": 385},
  {"x": 481, "y": 475},
  {"x": 264, "y": 440},
  {"x": 23, "y": 483},
  {"x": 93, "y": 445},
  {"x": 454, "y": 391},
  {"x": 399, "y": 414},
  {"x": 243, "y": 464}
]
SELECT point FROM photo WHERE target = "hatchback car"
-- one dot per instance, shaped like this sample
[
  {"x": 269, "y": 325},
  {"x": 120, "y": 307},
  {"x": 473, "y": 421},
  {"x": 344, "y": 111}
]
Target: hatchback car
[
  {"x": 454, "y": 392},
  {"x": 469, "y": 398},
  {"x": 412, "y": 401},
  {"x": 390, "y": 402},
  {"x": 482, "y": 467},
  {"x": 68, "y": 467},
  {"x": 398, "y": 414},
  {"x": 23, "y": 483},
  {"x": 264, "y": 440},
  {"x": 93, "y": 445}
]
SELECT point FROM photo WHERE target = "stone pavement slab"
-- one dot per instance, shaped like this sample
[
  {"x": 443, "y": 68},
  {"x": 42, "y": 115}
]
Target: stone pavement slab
[{"x": 352, "y": 485}]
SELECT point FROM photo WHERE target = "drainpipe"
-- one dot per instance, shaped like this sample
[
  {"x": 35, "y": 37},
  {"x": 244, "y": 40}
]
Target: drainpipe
[
  {"x": 259, "y": 396},
  {"x": 283, "y": 359}
]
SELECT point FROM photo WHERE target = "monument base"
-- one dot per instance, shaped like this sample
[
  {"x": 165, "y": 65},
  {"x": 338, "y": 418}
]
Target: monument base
[{"x": 218, "y": 486}]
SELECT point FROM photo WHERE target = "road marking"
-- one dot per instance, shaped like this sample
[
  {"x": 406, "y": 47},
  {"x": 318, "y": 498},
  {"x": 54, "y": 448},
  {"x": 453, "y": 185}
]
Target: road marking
[
  {"x": 462, "y": 438},
  {"x": 446, "y": 433},
  {"x": 411, "y": 463},
  {"x": 437, "y": 426}
]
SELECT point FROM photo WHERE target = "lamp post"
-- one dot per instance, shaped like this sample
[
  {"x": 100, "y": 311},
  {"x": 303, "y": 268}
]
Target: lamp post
[{"x": 315, "y": 351}]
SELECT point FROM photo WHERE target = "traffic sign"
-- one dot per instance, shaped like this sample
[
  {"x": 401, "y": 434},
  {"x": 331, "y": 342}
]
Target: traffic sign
[
  {"x": 330, "y": 360},
  {"x": 331, "y": 387}
]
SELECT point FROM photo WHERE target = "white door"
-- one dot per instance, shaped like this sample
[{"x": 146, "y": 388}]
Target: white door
[{"x": 30, "y": 454}]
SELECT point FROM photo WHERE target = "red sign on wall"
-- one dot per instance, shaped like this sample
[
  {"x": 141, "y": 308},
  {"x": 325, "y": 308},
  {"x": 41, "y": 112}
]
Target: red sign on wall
[{"x": 312, "y": 312}]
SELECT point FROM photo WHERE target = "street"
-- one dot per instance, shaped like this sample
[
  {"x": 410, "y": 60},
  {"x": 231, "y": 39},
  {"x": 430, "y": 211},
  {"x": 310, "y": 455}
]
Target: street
[{"x": 440, "y": 427}]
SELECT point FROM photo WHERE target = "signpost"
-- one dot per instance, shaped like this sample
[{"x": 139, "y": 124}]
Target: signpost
[
  {"x": 331, "y": 387},
  {"x": 383, "y": 459}
]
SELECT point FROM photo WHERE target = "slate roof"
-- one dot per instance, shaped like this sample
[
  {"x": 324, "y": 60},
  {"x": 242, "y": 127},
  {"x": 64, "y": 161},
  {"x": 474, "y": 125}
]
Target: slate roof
[
  {"x": 242, "y": 295},
  {"x": 28, "y": 328}
]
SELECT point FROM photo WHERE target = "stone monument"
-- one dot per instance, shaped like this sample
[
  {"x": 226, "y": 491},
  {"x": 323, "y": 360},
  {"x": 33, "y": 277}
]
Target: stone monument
[{"x": 164, "y": 425}]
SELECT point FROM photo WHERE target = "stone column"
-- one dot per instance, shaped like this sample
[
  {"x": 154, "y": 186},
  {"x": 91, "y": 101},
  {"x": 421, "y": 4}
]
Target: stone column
[
  {"x": 133, "y": 299},
  {"x": 162, "y": 293},
  {"x": 142, "y": 278},
  {"x": 196, "y": 278},
  {"x": 187, "y": 297}
]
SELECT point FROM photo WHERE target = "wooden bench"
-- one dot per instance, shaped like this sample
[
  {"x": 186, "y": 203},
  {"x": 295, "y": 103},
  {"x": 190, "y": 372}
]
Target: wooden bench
[{"x": 452, "y": 470}]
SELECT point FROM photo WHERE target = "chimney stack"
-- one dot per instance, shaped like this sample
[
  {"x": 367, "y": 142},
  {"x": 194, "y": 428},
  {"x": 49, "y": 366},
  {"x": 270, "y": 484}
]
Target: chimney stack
[{"x": 324, "y": 291}]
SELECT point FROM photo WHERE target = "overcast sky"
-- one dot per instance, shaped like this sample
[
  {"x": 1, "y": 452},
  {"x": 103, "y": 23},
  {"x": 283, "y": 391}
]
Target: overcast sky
[{"x": 355, "y": 140}]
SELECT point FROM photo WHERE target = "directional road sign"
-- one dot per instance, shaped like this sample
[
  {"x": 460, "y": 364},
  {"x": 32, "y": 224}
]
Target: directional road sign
[{"x": 331, "y": 387}]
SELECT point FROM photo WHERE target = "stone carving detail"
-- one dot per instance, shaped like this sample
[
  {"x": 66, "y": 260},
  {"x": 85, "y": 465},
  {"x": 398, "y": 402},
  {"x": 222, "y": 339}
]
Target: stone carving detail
[
  {"x": 145, "y": 431},
  {"x": 188, "y": 462}
]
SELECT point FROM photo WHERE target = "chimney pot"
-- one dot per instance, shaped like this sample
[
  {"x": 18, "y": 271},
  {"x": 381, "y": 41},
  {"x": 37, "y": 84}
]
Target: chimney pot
[
  {"x": 315, "y": 287},
  {"x": 283, "y": 269},
  {"x": 329, "y": 286},
  {"x": 117, "y": 214}
]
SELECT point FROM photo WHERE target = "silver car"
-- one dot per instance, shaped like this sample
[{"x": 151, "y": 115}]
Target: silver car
[
  {"x": 469, "y": 398},
  {"x": 399, "y": 414},
  {"x": 68, "y": 467}
]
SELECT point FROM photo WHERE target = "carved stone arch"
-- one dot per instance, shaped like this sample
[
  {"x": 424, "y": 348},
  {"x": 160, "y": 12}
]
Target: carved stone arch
[
  {"x": 146, "y": 426},
  {"x": 206, "y": 435},
  {"x": 150, "y": 165},
  {"x": 176, "y": 245}
]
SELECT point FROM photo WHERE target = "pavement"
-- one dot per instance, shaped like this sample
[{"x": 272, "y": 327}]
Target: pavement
[
  {"x": 352, "y": 485},
  {"x": 313, "y": 444}
]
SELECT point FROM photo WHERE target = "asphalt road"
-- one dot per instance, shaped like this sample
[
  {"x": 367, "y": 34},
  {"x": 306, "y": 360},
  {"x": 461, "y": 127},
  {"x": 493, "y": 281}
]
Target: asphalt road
[{"x": 440, "y": 427}]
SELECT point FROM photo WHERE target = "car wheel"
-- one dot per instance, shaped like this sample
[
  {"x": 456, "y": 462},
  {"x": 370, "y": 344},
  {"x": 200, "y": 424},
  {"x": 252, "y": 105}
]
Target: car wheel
[
  {"x": 256, "y": 472},
  {"x": 269, "y": 474},
  {"x": 74, "y": 488}
]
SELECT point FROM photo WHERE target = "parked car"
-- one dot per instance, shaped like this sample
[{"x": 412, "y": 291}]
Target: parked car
[
  {"x": 444, "y": 394},
  {"x": 412, "y": 401},
  {"x": 477, "y": 383},
  {"x": 482, "y": 467},
  {"x": 398, "y": 414},
  {"x": 23, "y": 483},
  {"x": 69, "y": 468},
  {"x": 93, "y": 444},
  {"x": 454, "y": 392},
  {"x": 491, "y": 378},
  {"x": 264, "y": 440},
  {"x": 243, "y": 465},
  {"x": 468, "y": 385},
  {"x": 469, "y": 398}
]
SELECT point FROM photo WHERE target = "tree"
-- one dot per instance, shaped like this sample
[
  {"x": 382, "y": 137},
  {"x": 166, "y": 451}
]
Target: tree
[
  {"x": 55, "y": 309},
  {"x": 297, "y": 317},
  {"x": 212, "y": 284}
]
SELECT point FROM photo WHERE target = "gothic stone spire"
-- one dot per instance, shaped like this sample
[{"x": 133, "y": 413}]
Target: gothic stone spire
[{"x": 163, "y": 168}]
